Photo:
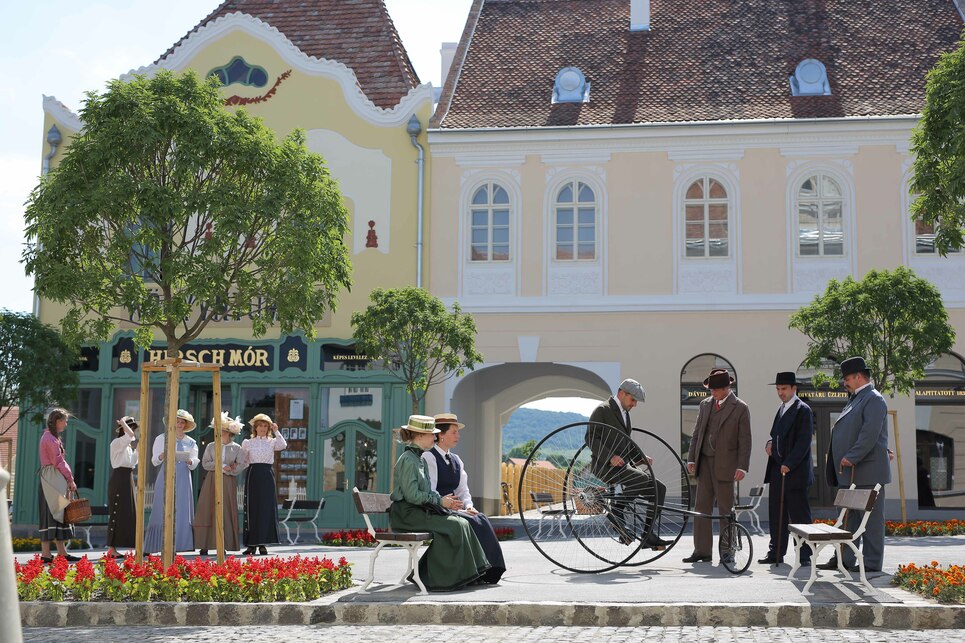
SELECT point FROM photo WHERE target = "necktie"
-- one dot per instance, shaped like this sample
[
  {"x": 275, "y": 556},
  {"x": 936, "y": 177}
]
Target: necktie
[
  {"x": 717, "y": 408},
  {"x": 626, "y": 418},
  {"x": 448, "y": 460},
  {"x": 782, "y": 411}
]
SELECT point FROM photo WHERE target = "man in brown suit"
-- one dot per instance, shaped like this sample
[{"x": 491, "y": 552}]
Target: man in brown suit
[{"x": 720, "y": 453}]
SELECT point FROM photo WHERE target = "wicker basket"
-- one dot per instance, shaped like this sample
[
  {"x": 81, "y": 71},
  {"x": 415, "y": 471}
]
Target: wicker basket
[{"x": 77, "y": 511}]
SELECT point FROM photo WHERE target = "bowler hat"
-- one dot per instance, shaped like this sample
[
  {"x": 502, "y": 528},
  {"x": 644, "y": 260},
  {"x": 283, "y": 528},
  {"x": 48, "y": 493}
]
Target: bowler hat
[
  {"x": 785, "y": 378},
  {"x": 718, "y": 378},
  {"x": 854, "y": 365},
  {"x": 633, "y": 388}
]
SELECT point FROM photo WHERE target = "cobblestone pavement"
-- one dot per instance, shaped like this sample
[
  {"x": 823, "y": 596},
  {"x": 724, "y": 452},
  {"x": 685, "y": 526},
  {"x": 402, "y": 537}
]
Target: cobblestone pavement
[{"x": 484, "y": 634}]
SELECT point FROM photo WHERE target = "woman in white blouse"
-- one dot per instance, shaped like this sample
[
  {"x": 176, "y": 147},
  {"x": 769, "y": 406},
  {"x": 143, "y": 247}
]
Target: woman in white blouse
[
  {"x": 261, "y": 506},
  {"x": 186, "y": 460},
  {"x": 447, "y": 475},
  {"x": 120, "y": 488}
]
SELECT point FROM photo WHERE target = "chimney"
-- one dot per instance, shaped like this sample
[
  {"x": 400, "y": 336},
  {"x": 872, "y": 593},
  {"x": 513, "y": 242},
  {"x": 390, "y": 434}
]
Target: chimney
[
  {"x": 448, "y": 52},
  {"x": 639, "y": 15}
]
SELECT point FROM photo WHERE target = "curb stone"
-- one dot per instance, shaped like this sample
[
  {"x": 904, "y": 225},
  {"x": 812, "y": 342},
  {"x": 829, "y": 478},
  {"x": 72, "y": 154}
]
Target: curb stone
[{"x": 335, "y": 609}]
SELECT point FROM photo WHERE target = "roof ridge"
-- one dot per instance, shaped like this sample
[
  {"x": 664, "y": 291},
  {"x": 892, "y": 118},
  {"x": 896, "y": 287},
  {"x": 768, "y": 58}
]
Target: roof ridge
[
  {"x": 205, "y": 21},
  {"x": 405, "y": 63},
  {"x": 452, "y": 78}
]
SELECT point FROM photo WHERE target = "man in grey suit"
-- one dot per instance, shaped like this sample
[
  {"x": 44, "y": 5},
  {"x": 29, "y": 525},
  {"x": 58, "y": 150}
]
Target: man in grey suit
[
  {"x": 859, "y": 454},
  {"x": 612, "y": 456}
]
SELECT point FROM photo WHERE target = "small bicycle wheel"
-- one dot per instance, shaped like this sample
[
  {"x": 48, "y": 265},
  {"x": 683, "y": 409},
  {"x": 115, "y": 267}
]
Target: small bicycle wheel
[{"x": 735, "y": 547}]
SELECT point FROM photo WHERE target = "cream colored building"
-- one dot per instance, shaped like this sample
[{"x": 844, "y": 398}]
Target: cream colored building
[{"x": 623, "y": 188}]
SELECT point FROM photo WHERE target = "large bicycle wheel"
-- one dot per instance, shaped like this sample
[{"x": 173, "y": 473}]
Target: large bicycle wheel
[
  {"x": 674, "y": 485},
  {"x": 735, "y": 547},
  {"x": 568, "y": 513}
]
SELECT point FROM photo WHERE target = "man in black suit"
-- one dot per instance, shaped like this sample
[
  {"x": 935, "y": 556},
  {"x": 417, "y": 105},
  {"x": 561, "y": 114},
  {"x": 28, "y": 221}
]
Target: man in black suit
[
  {"x": 612, "y": 454},
  {"x": 790, "y": 469}
]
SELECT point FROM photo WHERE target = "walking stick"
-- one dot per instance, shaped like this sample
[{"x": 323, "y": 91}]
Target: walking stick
[{"x": 780, "y": 521}]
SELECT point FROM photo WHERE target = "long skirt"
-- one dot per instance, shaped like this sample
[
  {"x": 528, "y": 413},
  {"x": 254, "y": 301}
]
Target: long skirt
[
  {"x": 454, "y": 558},
  {"x": 183, "y": 512},
  {"x": 486, "y": 535},
  {"x": 50, "y": 529},
  {"x": 261, "y": 507},
  {"x": 120, "y": 507},
  {"x": 204, "y": 525}
]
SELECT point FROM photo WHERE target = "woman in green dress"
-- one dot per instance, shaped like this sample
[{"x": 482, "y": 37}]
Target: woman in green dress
[{"x": 455, "y": 558}]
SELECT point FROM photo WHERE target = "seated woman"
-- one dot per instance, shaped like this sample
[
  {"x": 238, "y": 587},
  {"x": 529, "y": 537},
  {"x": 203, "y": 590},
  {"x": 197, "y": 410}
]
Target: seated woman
[
  {"x": 454, "y": 558},
  {"x": 447, "y": 475}
]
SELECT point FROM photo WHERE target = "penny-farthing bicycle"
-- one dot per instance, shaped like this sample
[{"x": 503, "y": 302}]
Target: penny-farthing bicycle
[{"x": 582, "y": 517}]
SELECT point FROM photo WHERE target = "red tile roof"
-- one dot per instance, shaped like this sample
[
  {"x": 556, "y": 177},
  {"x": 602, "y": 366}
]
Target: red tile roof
[
  {"x": 702, "y": 60},
  {"x": 357, "y": 33}
]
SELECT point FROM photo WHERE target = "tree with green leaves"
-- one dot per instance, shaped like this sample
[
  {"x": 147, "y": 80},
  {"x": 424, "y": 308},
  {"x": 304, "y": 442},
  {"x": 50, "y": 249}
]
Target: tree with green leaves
[
  {"x": 523, "y": 450},
  {"x": 170, "y": 211},
  {"x": 894, "y": 319},
  {"x": 414, "y": 336},
  {"x": 36, "y": 372},
  {"x": 939, "y": 147}
]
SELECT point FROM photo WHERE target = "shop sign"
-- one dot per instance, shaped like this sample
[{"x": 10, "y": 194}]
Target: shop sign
[
  {"x": 88, "y": 360},
  {"x": 337, "y": 356},
  {"x": 941, "y": 394},
  {"x": 231, "y": 357}
]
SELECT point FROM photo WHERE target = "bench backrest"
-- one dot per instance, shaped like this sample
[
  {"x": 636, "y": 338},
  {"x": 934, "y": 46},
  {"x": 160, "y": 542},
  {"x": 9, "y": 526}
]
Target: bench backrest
[
  {"x": 756, "y": 492},
  {"x": 541, "y": 498},
  {"x": 368, "y": 502},
  {"x": 856, "y": 499},
  {"x": 304, "y": 504}
]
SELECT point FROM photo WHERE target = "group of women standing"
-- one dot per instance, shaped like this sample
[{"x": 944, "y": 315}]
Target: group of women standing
[
  {"x": 192, "y": 529},
  {"x": 431, "y": 494}
]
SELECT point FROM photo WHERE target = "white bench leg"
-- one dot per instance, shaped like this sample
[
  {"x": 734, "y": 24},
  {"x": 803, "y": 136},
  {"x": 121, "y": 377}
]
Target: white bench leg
[
  {"x": 318, "y": 538},
  {"x": 414, "y": 567},
  {"x": 796, "y": 543},
  {"x": 298, "y": 532},
  {"x": 375, "y": 554},
  {"x": 858, "y": 556}
]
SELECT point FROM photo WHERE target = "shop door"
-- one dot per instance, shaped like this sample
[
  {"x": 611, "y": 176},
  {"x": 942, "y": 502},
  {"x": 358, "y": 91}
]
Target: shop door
[
  {"x": 347, "y": 455},
  {"x": 822, "y": 493}
]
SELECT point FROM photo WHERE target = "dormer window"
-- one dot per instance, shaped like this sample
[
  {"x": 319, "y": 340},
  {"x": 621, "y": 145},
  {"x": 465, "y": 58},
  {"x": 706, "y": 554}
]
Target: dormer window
[
  {"x": 571, "y": 87},
  {"x": 810, "y": 79}
]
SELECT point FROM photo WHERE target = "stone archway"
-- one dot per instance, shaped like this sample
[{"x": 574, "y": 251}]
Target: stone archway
[{"x": 486, "y": 398}]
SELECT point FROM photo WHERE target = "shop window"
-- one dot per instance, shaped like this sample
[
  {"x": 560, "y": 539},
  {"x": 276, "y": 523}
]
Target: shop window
[
  {"x": 333, "y": 463},
  {"x": 692, "y": 392},
  {"x": 940, "y": 433},
  {"x": 85, "y": 458},
  {"x": 87, "y": 406},
  {"x": 363, "y": 404}
]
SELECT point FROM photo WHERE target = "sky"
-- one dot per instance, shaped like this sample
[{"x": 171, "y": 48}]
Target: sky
[{"x": 64, "y": 48}]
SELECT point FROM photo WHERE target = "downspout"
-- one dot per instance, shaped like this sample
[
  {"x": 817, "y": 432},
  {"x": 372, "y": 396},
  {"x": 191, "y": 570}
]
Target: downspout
[
  {"x": 413, "y": 129},
  {"x": 54, "y": 139}
]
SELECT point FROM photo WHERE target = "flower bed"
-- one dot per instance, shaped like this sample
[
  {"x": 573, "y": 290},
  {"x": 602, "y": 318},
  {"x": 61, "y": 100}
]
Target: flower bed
[
  {"x": 919, "y": 527},
  {"x": 944, "y": 585},
  {"x": 236, "y": 580},
  {"x": 504, "y": 533},
  {"x": 33, "y": 544},
  {"x": 349, "y": 538},
  {"x": 925, "y": 528}
]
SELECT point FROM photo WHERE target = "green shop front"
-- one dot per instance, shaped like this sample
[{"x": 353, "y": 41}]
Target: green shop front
[{"x": 335, "y": 411}]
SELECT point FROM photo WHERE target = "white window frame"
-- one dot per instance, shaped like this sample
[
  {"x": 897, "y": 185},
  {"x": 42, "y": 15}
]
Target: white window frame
[
  {"x": 489, "y": 278},
  {"x": 575, "y": 205},
  {"x": 706, "y": 201},
  {"x": 490, "y": 187},
  {"x": 567, "y": 277},
  {"x": 820, "y": 200}
]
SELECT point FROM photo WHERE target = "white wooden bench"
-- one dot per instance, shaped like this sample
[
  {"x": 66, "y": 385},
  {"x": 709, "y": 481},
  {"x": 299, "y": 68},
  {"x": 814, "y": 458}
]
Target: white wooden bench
[
  {"x": 819, "y": 535},
  {"x": 295, "y": 504},
  {"x": 548, "y": 508},
  {"x": 378, "y": 503},
  {"x": 750, "y": 507}
]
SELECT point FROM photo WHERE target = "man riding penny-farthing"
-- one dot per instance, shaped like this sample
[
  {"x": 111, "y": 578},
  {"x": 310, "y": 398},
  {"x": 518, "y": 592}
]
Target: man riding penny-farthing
[
  {"x": 597, "y": 495},
  {"x": 616, "y": 459}
]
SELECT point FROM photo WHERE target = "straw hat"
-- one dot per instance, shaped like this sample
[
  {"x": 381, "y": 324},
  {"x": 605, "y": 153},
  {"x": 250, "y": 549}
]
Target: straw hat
[
  {"x": 261, "y": 417},
  {"x": 449, "y": 418},
  {"x": 229, "y": 425},
  {"x": 188, "y": 419},
  {"x": 421, "y": 424}
]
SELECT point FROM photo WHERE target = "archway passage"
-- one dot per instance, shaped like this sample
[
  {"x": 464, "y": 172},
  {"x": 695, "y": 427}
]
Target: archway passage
[{"x": 485, "y": 399}]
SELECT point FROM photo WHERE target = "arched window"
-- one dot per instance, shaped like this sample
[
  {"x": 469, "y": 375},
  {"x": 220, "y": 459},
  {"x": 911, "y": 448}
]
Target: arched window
[
  {"x": 940, "y": 433},
  {"x": 575, "y": 222},
  {"x": 820, "y": 217},
  {"x": 692, "y": 391},
  {"x": 489, "y": 224},
  {"x": 705, "y": 208}
]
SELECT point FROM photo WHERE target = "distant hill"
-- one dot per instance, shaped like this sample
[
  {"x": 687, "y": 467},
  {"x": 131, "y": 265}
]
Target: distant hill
[{"x": 533, "y": 424}]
